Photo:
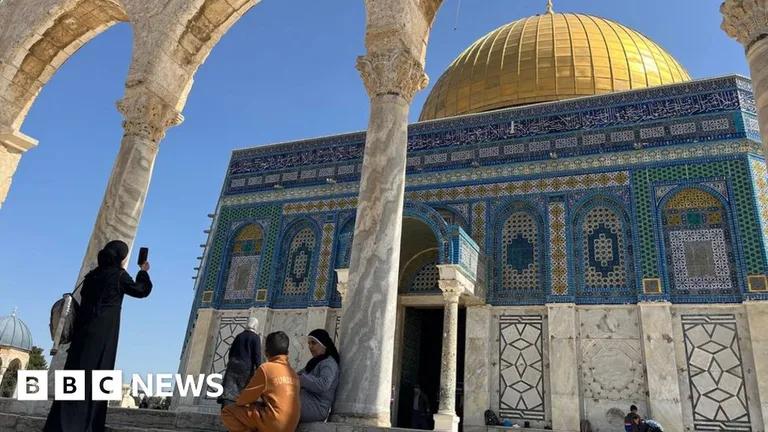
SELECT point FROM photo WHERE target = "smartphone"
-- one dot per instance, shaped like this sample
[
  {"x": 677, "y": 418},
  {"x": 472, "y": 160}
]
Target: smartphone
[{"x": 143, "y": 254}]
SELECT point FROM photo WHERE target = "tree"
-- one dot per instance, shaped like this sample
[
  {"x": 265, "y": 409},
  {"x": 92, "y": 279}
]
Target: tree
[{"x": 36, "y": 360}]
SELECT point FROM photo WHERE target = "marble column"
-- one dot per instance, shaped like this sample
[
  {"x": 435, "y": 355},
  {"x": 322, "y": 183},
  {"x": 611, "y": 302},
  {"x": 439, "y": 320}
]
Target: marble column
[
  {"x": 391, "y": 77},
  {"x": 12, "y": 145},
  {"x": 146, "y": 118},
  {"x": 564, "y": 366},
  {"x": 757, "y": 319},
  {"x": 446, "y": 418},
  {"x": 661, "y": 367},
  {"x": 453, "y": 285},
  {"x": 747, "y": 22}
]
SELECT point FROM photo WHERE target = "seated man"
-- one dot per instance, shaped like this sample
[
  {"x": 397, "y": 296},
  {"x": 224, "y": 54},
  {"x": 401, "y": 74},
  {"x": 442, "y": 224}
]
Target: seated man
[{"x": 270, "y": 401}]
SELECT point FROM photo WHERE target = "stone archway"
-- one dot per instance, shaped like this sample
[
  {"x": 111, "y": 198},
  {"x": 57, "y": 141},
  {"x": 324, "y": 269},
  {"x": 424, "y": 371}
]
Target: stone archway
[{"x": 8, "y": 382}]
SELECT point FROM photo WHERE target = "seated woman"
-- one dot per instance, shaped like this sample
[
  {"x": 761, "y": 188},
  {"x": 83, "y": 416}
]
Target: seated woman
[{"x": 319, "y": 378}]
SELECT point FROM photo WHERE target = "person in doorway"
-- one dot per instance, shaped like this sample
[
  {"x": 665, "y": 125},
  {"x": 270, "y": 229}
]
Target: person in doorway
[
  {"x": 319, "y": 378},
  {"x": 95, "y": 336},
  {"x": 628, "y": 425},
  {"x": 421, "y": 409},
  {"x": 270, "y": 400},
  {"x": 244, "y": 358}
]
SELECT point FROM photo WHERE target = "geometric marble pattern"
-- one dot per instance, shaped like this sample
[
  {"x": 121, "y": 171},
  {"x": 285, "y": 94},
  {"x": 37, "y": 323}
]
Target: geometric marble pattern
[
  {"x": 229, "y": 327},
  {"x": 521, "y": 367},
  {"x": 716, "y": 377}
]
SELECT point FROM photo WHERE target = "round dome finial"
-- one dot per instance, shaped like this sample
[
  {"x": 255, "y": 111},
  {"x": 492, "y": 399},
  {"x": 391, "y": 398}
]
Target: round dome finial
[
  {"x": 550, "y": 7},
  {"x": 13, "y": 314}
]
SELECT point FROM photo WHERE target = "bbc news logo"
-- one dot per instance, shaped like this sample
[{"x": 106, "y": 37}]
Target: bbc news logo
[{"x": 107, "y": 385}]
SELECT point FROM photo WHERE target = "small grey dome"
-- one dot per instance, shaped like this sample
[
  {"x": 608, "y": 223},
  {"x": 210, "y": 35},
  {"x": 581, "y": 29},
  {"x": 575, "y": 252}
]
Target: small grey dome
[{"x": 14, "y": 333}]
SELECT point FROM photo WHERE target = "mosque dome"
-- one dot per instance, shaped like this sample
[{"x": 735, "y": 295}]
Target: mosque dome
[
  {"x": 549, "y": 57},
  {"x": 14, "y": 333}
]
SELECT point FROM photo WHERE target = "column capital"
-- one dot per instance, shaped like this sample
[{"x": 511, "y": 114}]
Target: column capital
[
  {"x": 146, "y": 114},
  {"x": 392, "y": 72},
  {"x": 745, "y": 20},
  {"x": 453, "y": 283}
]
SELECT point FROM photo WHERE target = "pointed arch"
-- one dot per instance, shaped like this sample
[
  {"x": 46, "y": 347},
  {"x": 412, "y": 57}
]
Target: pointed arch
[
  {"x": 297, "y": 265},
  {"x": 602, "y": 252},
  {"x": 244, "y": 253},
  {"x": 698, "y": 257},
  {"x": 519, "y": 236}
]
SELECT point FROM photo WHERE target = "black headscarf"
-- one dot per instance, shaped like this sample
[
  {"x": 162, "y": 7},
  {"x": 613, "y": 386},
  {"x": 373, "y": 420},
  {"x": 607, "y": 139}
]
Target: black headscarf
[
  {"x": 113, "y": 254},
  {"x": 324, "y": 338}
]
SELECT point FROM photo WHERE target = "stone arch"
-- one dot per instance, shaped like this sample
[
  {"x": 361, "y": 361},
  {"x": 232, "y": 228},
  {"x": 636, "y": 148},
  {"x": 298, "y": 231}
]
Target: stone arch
[
  {"x": 435, "y": 221},
  {"x": 602, "y": 251},
  {"x": 452, "y": 216},
  {"x": 698, "y": 254},
  {"x": 8, "y": 382},
  {"x": 296, "y": 265},
  {"x": 243, "y": 257},
  {"x": 519, "y": 238},
  {"x": 209, "y": 22},
  {"x": 344, "y": 238},
  {"x": 39, "y": 41}
]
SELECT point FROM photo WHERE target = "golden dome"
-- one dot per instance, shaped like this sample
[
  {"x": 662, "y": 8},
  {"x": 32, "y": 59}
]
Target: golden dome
[{"x": 549, "y": 57}]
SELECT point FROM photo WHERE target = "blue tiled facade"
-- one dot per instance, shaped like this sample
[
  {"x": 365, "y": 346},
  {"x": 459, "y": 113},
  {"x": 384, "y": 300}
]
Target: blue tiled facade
[{"x": 566, "y": 201}]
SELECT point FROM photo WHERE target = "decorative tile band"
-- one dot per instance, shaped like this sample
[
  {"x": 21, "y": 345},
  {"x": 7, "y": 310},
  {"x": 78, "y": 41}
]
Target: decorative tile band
[{"x": 557, "y": 248}]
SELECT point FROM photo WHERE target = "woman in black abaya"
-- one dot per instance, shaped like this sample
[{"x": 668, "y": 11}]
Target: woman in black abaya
[{"x": 94, "y": 340}]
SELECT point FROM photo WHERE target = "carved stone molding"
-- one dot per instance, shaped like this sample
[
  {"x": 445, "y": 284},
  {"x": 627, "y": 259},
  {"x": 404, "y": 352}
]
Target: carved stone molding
[
  {"x": 147, "y": 115},
  {"x": 745, "y": 20},
  {"x": 393, "y": 72}
]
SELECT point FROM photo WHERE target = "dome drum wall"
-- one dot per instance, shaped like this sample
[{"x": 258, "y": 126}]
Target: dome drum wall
[{"x": 546, "y": 58}]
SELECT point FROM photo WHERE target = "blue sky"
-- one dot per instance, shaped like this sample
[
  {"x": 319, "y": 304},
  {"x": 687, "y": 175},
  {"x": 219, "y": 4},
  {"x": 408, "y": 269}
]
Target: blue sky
[{"x": 284, "y": 72}]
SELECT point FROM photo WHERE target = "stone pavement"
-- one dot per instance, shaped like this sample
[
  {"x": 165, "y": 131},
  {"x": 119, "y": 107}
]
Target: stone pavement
[{"x": 16, "y": 416}]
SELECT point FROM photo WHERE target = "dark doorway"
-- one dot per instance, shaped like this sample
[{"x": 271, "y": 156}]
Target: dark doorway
[{"x": 421, "y": 355}]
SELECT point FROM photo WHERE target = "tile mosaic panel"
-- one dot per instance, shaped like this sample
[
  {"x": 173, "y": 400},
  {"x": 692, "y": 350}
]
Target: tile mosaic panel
[
  {"x": 699, "y": 250},
  {"x": 241, "y": 281},
  {"x": 323, "y": 263},
  {"x": 478, "y": 223},
  {"x": 760, "y": 188},
  {"x": 715, "y": 373},
  {"x": 299, "y": 263},
  {"x": 745, "y": 218},
  {"x": 603, "y": 253},
  {"x": 519, "y": 266},
  {"x": 521, "y": 367},
  {"x": 558, "y": 248}
]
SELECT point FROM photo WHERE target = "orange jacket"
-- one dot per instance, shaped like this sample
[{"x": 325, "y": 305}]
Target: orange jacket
[{"x": 277, "y": 385}]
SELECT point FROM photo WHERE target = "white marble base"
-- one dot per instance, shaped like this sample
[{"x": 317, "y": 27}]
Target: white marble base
[{"x": 446, "y": 422}]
